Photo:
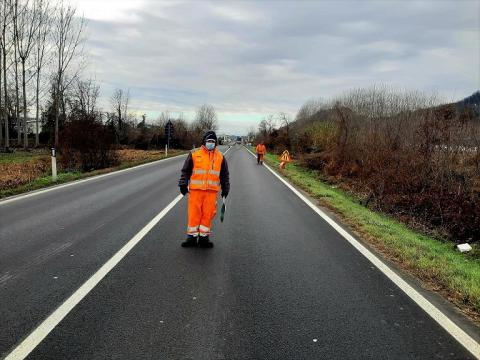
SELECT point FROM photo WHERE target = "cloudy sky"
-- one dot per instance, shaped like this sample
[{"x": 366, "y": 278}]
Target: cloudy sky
[{"x": 251, "y": 58}]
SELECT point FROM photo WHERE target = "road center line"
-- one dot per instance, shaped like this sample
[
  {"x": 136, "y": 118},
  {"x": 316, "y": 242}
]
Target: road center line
[
  {"x": 443, "y": 320},
  {"x": 38, "y": 334}
]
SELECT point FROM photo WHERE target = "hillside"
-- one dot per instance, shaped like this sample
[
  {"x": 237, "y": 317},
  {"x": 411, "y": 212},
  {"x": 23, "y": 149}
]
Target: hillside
[{"x": 472, "y": 102}]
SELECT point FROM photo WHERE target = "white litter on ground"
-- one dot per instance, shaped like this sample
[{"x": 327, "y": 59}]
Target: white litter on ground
[{"x": 463, "y": 247}]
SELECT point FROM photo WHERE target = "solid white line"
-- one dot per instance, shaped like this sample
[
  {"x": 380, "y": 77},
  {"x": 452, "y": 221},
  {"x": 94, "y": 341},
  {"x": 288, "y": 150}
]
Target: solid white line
[
  {"x": 453, "y": 329},
  {"x": 52, "y": 188},
  {"x": 37, "y": 335}
]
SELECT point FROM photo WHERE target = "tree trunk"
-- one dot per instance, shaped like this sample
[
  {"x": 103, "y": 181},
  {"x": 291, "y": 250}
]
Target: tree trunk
[
  {"x": 2, "y": 108},
  {"x": 57, "y": 110},
  {"x": 5, "y": 95},
  {"x": 64, "y": 107},
  {"x": 17, "y": 102},
  {"x": 37, "y": 108},
  {"x": 24, "y": 86}
]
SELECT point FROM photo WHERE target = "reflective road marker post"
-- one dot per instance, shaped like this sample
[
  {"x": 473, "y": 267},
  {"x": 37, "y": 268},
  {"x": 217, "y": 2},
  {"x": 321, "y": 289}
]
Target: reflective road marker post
[{"x": 54, "y": 165}]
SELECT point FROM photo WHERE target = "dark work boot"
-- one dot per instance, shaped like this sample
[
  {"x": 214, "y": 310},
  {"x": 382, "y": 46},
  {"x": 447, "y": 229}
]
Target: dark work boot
[
  {"x": 190, "y": 242},
  {"x": 204, "y": 242}
]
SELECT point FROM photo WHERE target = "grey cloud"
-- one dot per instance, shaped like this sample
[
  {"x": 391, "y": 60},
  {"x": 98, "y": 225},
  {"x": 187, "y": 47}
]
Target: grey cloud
[{"x": 252, "y": 57}]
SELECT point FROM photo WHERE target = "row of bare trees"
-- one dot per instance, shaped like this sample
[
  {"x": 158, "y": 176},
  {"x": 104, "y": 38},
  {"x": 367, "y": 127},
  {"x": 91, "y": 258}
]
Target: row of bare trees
[
  {"x": 40, "y": 44},
  {"x": 402, "y": 153},
  {"x": 151, "y": 135},
  {"x": 275, "y": 130}
]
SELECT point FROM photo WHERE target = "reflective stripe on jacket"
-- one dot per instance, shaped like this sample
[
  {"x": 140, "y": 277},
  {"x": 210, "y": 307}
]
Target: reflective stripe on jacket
[{"x": 206, "y": 169}]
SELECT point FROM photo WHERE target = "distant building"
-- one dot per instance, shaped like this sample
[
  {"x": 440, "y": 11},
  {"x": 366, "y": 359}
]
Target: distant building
[
  {"x": 31, "y": 126},
  {"x": 224, "y": 139}
]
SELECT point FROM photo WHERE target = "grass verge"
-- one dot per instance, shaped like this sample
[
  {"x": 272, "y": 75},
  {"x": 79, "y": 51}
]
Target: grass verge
[
  {"x": 19, "y": 157},
  {"x": 436, "y": 263},
  {"x": 64, "y": 177}
]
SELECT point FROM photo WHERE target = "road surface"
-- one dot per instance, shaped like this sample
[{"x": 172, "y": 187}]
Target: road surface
[{"x": 280, "y": 283}]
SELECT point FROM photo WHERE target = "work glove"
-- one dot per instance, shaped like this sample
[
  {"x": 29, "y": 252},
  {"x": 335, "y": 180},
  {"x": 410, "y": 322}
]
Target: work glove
[
  {"x": 224, "y": 194},
  {"x": 184, "y": 190}
]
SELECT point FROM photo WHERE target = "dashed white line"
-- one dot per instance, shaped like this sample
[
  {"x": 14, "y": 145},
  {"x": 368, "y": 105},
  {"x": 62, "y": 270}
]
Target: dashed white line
[{"x": 443, "y": 320}]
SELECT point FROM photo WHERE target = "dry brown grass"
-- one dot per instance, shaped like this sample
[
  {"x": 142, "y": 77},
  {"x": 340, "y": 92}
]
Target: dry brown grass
[
  {"x": 20, "y": 170},
  {"x": 14, "y": 174},
  {"x": 132, "y": 155}
]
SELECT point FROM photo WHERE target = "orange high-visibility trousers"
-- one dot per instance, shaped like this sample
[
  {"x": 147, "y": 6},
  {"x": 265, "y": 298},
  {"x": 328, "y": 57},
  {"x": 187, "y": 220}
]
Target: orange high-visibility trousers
[{"x": 202, "y": 208}]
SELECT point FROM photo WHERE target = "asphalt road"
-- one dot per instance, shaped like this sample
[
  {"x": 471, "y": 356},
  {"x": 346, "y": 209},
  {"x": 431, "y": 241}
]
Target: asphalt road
[{"x": 280, "y": 283}]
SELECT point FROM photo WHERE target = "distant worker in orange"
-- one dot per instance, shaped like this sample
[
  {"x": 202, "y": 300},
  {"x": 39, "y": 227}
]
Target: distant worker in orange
[
  {"x": 204, "y": 173},
  {"x": 261, "y": 151}
]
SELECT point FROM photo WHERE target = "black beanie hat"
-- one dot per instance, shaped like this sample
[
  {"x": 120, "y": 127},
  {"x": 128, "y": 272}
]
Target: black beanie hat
[{"x": 209, "y": 135}]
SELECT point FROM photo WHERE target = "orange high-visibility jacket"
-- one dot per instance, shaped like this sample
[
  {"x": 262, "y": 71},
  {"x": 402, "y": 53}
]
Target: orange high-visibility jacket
[
  {"x": 261, "y": 149},
  {"x": 206, "y": 169}
]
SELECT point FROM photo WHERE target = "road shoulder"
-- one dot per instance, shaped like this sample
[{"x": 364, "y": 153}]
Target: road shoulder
[{"x": 465, "y": 320}]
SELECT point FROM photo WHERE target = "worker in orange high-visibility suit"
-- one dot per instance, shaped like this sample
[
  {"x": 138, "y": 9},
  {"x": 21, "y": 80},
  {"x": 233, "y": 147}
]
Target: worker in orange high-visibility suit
[
  {"x": 204, "y": 173},
  {"x": 261, "y": 151}
]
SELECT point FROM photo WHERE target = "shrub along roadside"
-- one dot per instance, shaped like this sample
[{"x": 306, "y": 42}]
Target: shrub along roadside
[
  {"x": 455, "y": 275},
  {"x": 400, "y": 151},
  {"x": 63, "y": 177}
]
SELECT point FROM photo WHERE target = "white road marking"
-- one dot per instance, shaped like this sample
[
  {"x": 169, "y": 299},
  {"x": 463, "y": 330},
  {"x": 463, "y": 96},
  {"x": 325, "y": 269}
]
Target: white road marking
[
  {"x": 443, "y": 320},
  {"x": 76, "y": 182},
  {"x": 39, "y": 333}
]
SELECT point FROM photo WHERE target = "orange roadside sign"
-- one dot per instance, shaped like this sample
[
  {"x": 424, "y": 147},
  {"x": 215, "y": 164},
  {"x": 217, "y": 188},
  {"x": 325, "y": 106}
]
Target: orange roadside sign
[{"x": 285, "y": 157}]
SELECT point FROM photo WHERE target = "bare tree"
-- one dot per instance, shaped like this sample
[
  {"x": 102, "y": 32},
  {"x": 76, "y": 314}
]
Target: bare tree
[
  {"x": 262, "y": 128},
  {"x": 206, "y": 118},
  {"x": 2, "y": 109},
  {"x": 163, "y": 118},
  {"x": 271, "y": 123},
  {"x": 26, "y": 26},
  {"x": 6, "y": 19},
  {"x": 119, "y": 102},
  {"x": 285, "y": 121},
  {"x": 17, "y": 87},
  {"x": 308, "y": 110},
  {"x": 41, "y": 51},
  {"x": 67, "y": 32},
  {"x": 251, "y": 133},
  {"x": 84, "y": 96}
]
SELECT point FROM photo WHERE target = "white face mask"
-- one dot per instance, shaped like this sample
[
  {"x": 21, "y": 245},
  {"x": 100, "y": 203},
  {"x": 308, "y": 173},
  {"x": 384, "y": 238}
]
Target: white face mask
[{"x": 210, "y": 146}]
